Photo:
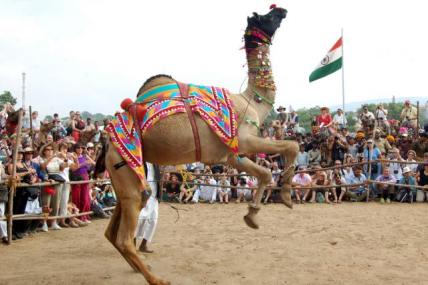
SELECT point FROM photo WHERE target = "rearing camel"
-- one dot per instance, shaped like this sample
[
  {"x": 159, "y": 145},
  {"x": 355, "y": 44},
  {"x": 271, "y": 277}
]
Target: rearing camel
[{"x": 171, "y": 141}]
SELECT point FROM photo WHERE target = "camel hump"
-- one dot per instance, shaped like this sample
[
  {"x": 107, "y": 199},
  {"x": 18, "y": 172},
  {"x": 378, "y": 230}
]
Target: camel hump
[{"x": 154, "y": 81}]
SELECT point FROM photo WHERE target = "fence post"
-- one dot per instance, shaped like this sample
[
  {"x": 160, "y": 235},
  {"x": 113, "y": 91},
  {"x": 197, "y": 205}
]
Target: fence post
[{"x": 13, "y": 177}]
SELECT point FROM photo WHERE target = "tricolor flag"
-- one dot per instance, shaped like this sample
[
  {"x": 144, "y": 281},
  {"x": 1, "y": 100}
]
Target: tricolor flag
[{"x": 330, "y": 63}]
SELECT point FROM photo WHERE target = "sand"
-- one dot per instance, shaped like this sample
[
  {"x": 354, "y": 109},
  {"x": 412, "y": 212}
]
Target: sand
[{"x": 354, "y": 243}]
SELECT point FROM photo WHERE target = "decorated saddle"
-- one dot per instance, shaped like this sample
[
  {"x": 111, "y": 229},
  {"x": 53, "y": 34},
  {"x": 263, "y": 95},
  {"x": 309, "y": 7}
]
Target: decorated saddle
[{"x": 212, "y": 104}]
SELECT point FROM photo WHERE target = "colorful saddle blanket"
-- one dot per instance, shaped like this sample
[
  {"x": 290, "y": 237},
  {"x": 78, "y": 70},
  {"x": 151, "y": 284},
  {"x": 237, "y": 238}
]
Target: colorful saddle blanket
[{"x": 211, "y": 103}]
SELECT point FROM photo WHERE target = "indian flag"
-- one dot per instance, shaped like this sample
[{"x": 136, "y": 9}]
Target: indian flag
[{"x": 330, "y": 63}]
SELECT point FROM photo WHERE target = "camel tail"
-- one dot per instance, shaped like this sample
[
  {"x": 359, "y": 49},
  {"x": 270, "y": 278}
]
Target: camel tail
[{"x": 100, "y": 165}]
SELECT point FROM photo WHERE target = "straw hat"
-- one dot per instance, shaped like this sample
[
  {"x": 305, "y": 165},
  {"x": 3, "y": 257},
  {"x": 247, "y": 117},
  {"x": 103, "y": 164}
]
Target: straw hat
[
  {"x": 324, "y": 108},
  {"x": 281, "y": 108},
  {"x": 42, "y": 149}
]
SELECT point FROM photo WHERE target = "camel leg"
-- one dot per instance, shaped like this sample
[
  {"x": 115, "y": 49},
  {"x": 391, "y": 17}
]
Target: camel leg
[
  {"x": 121, "y": 230},
  {"x": 264, "y": 177},
  {"x": 289, "y": 149}
]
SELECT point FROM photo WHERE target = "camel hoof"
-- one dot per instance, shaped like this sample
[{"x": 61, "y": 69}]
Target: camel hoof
[
  {"x": 250, "y": 221},
  {"x": 286, "y": 199},
  {"x": 250, "y": 218}
]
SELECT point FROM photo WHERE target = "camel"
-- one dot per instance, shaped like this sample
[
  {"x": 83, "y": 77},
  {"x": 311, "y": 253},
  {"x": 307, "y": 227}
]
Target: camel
[{"x": 171, "y": 142}]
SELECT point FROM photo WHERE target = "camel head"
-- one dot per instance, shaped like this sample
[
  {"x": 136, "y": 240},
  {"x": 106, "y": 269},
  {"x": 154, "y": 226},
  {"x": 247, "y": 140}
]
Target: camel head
[{"x": 267, "y": 24}]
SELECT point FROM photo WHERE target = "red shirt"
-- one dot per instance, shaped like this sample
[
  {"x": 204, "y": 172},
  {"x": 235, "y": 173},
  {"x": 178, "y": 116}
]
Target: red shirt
[{"x": 324, "y": 120}]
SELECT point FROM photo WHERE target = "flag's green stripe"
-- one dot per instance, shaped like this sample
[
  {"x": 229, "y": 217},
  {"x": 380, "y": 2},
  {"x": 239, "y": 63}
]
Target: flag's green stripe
[{"x": 326, "y": 70}]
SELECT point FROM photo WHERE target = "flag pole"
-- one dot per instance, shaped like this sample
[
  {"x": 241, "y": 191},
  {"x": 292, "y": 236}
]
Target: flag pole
[{"x": 343, "y": 76}]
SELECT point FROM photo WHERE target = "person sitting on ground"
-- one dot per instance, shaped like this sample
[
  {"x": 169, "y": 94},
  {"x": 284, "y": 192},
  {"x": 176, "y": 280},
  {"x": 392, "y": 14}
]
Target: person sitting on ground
[
  {"x": 187, "y": 189},
  {"x": 172, "y": 188},
  {"x": 320, "y": 178},
  {"x": 302, "y": 179},
  {"x": 74, "y": 222},
  {"x": 96, "y": 206},
  {"x": 207, "y": 192},
  {"x": 224, "y": 191},
  {"x": 338, "y": 190},
  {"x": 242, "y": 193},
  {"x": 3, "y": 200},
  {"x": 407, "y": 193},
  {"x": 386, "y": 191},
  {"x": 358, "y": 192}
]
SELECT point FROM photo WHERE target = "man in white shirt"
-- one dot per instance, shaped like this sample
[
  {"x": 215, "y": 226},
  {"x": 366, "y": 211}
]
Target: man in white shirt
[
  {"x": 339, "y": 119},
  {"x": 206, "y": 192},
  {"x": 299, "y": 180}
]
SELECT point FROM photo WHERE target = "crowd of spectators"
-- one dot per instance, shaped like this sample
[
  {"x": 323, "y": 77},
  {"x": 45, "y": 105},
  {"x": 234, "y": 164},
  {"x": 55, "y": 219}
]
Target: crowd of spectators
[
  {"x": 51, "y": 154},
  {"x": 399, "y": 158},
  {"x": 65, "y": 150}
]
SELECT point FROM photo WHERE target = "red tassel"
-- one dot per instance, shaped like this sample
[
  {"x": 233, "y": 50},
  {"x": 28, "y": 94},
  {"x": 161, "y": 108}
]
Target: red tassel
[
  {"x": 273, "y": 6},
  {"x": 126, "y": 103}
]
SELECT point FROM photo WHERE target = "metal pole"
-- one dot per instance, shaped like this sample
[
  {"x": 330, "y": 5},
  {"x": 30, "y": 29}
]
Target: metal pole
[
  {"x": 23, "y": 90},
  {"x": 343, "y": 77},
  {"x": 416, "y": 132},
  {"x": 13, "y": 176},
  {"x": 31, "y": 126}
]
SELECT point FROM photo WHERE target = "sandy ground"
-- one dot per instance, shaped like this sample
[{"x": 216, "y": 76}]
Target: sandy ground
[{"x": 210, "y": 244}]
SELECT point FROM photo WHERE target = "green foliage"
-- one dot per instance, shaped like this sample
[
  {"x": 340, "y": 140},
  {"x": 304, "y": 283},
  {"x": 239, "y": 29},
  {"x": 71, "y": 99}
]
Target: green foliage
[
  {"x": 85, "y": 114},
  {"x": 306, "y": 117},
  {"x": 5, "y": 97}
]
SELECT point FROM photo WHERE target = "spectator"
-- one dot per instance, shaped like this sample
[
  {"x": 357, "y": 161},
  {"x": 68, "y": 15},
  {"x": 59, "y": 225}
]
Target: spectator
[
  {"x": 282, "y": 116},
  {"x": 395, "y": 167},
  {"x": 243, "y": 194},
  {"x": 411, "y": 155},
  {"x": 77, "y": 126},
  {"x": 386, "y": 191},
  {"x": 367, "y": 119},
  {"x": 53, "y": 165},
  {"x": 381, "y": 115},
  {"x": 224, "y": 192},
  {"x": 69, "y": 162},
  {"x": 374, "y": 155},
  {"x": 359, "y": 191},
  {"x": 339, "y": 119},
  {"x": 338, "y": 190},
  {"x": 422, "y": 178},
  {"x": 207, "y": 192},
  {"x": 314, "y": 154},
  {"x": 324, "y": 121},
  {"x": 381, "y": 143},
  {"x": 339, "y": 149},
  {"x": 409, "y": 115},
  {"x": 27, "y": 174},
  {"x": 80, "y": 194},
  {"x": 319, "y": 179},
  {"x": 407, "y": 194},
  {"x": 299, "y": 180},
  {"x": 187, "y": 189},
  {"x": 172, "y": 188},
  {"x": 3, "y": 200},
  {"x": 302, "y": 157}
]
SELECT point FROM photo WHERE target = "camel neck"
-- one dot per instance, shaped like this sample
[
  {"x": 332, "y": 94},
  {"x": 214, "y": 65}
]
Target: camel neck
[{"x": 261, "y": 86}]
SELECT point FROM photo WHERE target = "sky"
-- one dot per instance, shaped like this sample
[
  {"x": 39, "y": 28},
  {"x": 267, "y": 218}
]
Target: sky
[{"x": 90, "y": 55}]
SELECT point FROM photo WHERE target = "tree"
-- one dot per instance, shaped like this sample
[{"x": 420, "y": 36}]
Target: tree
[{"x": 6, "y": 97}]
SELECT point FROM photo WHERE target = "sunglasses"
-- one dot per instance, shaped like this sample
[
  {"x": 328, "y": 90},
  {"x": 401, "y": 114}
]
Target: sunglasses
[{"x": 48, "y": 148}]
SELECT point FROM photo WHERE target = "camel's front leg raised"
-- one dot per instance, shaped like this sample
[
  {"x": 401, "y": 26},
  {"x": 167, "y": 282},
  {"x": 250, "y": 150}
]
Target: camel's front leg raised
[
  {"x": 290, "y": 149},
  {"x": 264, "y": 177}
]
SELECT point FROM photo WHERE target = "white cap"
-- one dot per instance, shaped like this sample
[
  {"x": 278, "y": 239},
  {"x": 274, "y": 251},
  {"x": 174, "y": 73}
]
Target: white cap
[
  {"x": 89, "y": 144},
  {"x": 406, "y": 169}
]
